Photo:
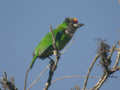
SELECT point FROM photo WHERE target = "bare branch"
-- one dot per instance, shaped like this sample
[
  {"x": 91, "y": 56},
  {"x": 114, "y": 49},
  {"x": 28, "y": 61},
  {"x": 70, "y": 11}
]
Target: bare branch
[
  {"x": 38, "y": 78},
  {"x": 107, "y": 73},
  {"x": 6, "y": 84},
  {"x": 53, "y": 64},
  {"x": 101, "y": 81},
  {"x": 26, "y": 77},
  {"x": 73, "y": 76},
  {"x": 117, "y": 60},
  {"x": 89, "y": 70}
]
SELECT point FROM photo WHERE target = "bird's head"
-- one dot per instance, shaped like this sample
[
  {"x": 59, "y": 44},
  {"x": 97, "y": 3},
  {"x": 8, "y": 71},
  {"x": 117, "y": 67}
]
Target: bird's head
[{"x": 73, "y": 23}]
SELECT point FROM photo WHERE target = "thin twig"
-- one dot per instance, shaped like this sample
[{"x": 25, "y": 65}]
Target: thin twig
[
  {"x": 117, "y": 58},
  {"x": 112, "y": 51},
  {"x": 7, "y": 84},
  {"x": 73, "y": 76},
  {"x": 101, "y": 81},
  {"x": 104, "y": 77},
  {"x": 89, "y": 70},
  {"x": 26, "y": 77},
  {"x": 38, "y": 78},
  {"x": 114, "y": 70},
  {"x": 83, "y": 77},
  {"x": 53, "y": 39},
  {"x": 105, "y": 74},
  {"x": 53, "y": 64},
  {"x": 108, "y": 73}
]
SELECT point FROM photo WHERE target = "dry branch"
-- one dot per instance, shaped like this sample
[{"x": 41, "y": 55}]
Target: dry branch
[
  {"x": 105, "y": 54},
  {"x": 53, "y": 64},
  {"x": 89, "y": 71},
  {"x": 39, "y": 76},
  {"x": 7, "y": 84},
  {"x": 110, "y": 71}
]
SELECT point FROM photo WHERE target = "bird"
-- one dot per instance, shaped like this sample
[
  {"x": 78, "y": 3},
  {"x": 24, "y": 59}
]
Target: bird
[{"x": 63, "y": 34}]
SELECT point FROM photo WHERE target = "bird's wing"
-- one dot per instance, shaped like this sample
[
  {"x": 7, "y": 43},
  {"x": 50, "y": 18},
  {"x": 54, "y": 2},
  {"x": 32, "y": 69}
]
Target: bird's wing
[
  {"x": 59, "y": 35},
  {"x": 46, "y": 43}
]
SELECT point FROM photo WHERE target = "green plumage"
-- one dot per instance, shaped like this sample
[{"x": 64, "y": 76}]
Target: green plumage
[
  {"x": 44, "y": 48},
  {"x": 62, "y": 36}
]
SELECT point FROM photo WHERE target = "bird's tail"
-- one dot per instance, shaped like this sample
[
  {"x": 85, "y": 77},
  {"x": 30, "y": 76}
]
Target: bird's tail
[{"x": 33, "y": 61}]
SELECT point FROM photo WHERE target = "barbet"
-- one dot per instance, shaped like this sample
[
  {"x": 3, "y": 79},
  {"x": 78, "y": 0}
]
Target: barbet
[{"x": 63, "y": 34}]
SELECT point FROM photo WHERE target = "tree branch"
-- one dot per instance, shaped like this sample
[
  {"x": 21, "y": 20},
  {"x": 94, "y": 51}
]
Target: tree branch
[
  {"x": 89, "y": 71},
  {"x": 6, "y": 84},
  {"x": 53, "y": 64},
  {"x": 107, "y": 73}
]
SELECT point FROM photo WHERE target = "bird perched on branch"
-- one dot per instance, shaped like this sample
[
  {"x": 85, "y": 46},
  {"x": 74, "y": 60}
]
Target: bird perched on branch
[{"x": 63, "y": 33}]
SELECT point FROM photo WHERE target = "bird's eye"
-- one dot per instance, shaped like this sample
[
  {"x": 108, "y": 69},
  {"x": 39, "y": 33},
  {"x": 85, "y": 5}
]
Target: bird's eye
[{"x": 75, "y": 20}]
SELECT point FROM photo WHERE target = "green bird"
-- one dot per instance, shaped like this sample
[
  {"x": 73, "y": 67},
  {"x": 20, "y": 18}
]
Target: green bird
[{"x": 63, "y": 34}]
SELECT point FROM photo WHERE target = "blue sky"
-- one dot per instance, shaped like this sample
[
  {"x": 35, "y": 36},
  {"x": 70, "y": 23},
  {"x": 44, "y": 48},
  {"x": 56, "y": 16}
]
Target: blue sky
[{"x": 23, "y": 23}]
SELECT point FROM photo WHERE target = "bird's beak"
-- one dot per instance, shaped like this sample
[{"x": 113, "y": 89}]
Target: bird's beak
[{"x": 80, "y": 24}]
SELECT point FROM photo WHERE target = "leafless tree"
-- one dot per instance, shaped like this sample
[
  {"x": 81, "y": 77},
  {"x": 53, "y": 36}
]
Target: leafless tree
[{"x": 104, "y": 55}]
